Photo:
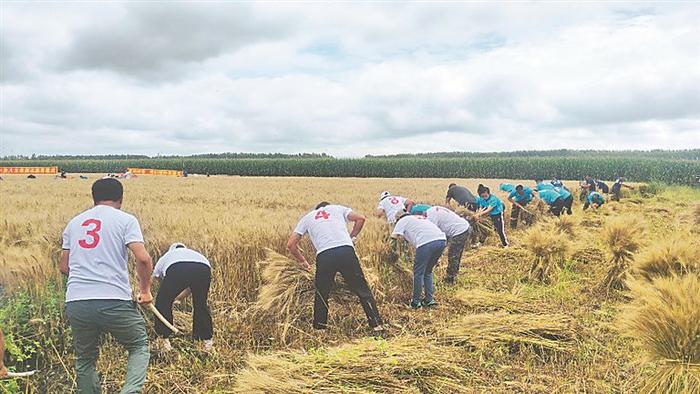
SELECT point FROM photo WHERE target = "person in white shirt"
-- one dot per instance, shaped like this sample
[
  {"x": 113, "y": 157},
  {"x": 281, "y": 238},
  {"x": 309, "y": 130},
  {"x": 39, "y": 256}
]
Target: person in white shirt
[
  {"x": 183, "y": 270},
  {"x": 429, "y": 242},
  {"x": 390, "y": 205},
  {"x": 335, "y": 252},
  {"x": 99, "y": 295},
  {"x": 457, "y": 230}
]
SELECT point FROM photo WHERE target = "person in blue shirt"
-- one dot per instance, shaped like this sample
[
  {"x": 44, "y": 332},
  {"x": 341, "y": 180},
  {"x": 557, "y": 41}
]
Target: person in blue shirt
[
  {"x": 492, "y": 206},
  {"x": 418, "y": 209},
  {"x": 595, "y": 200},
  {"x": 566, "y": 197},
  {"x": 548, "y": 193},
  {"x": 519, "y": 197},
  {"x": 506, "y": 187}
]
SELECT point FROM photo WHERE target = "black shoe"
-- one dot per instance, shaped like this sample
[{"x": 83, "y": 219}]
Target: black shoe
[
  {"x": 416, "y": 305},
  {"x": 450, "y": 281},
  {"x": 429, "y": 304}
]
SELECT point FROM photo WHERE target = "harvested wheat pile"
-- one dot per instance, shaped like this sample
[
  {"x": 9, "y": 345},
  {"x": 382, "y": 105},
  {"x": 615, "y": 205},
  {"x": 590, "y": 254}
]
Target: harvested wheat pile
[
  {"x": 664, "y": 321},
  {"x": 287, "y": 292},
  {"x": 547, "y": 332},
  {"x": 549, "y": 249},
  {"x": 566, "y": 225},
  {"x": 399, "y": 365},
  {"x": 623, "y": 237},
  {"x": 489, "y": 301},
  {"x": 674, "y": 256}
]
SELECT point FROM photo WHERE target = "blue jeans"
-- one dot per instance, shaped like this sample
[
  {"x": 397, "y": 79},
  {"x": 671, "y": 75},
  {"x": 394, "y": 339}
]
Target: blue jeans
[{"x": 427, "y": 257}]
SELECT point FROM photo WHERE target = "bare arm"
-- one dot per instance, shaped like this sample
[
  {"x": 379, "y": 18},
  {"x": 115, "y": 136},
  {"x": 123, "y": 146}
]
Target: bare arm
[
  {"x": 293, "y": 247},
  {"x": 63, "y": 263},
  {"x": 379, "y": 213},
  {"x": 409, "y": 204},
  {"x": 144, "y": 270},
  {"x": 359, "y": 222}
]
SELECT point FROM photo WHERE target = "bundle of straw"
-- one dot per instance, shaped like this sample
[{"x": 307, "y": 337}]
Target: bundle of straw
[
  {"x": 549, "y": 332},
  {"x": 623, "y": 237},
  {"x": 664, "y": 321},
  {"x": 549, "y": 248},
  {"x": 566, "y": 225},
  {"x": 489, "y": 301},
  {"x": 675, "y": 256},
  {"x": 399, "y": 365}
]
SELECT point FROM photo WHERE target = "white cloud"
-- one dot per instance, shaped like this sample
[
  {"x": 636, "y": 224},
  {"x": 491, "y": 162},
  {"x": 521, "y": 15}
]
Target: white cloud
[{"x": 347, "y": 79}]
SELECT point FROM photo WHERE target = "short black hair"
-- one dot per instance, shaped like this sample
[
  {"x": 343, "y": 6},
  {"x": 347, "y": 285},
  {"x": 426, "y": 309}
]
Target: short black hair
[
  {"x": 519, "y": 187},
  {"x": 539, "y": 180},
  {"x": 483, "y": 189},
  {"x": 108, "y": 189},
  {"x": 322, "y": 204},
  {"x": 451, "y": 184}
]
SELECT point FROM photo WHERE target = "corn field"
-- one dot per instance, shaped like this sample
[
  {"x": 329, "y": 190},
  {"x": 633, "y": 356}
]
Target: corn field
[{"x": 636, "y": 170}]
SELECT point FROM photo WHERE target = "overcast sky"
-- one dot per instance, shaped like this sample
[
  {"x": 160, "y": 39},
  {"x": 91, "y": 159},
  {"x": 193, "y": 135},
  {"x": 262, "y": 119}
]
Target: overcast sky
[{"x": 347, "y": 79}]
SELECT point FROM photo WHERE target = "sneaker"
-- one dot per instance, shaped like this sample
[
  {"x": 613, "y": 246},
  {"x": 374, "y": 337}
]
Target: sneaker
[
  {"x": 163, "y": 344},
  {"x": 429, "y": 304},
  {"x": 208, "y": 345},
  {"x": 450, "y": 281},
  {"x": 416, "y": 305}
]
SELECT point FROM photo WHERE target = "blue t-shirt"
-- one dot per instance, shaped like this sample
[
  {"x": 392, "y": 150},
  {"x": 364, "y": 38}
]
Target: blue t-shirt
[
  {"x": 506, "y": 187},
  {"x": 548, "y": 195},
  {"x": 592, "y": 195},
  {"x": 543, "y": 186},
  {"x": 419, "y": 209},
  {"x": 492, "y": 201},
  {"x": 526, "y": 196},
  {"x": 563, "y": 193}
]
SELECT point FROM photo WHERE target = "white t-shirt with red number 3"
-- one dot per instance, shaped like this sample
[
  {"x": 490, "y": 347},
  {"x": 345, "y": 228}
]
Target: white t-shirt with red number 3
[
  {"x": 97, "y": 240},
  {"x": 391, "y": 206},
  {"x": 327, "y": 227}
]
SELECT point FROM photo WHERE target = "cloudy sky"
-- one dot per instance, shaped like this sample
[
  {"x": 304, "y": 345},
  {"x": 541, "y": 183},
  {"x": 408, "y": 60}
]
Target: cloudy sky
[{"x": 347, "y": 79}]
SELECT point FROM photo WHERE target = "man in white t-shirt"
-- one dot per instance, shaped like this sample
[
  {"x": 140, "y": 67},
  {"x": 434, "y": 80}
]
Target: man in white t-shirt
[
  {"x": 457, "y": 230},
  {"x": 99, "y": 295},
  {"x": 389, "y": 205},
  {"x": 429, "y": 242},
  {"x": 335, "y": 252},
  {"x": 183, "y": 270}
]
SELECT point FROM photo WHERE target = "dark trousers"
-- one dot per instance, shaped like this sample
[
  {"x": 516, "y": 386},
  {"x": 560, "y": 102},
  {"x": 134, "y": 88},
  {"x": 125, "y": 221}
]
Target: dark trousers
[
  {"x": 454, "y": 253},
  {"x": 616, "y": 193},
  {"x": 178, "y": 277},
  {"x": 515, "y": 214},
  {"x": 498, "y": 226},
  {"x": 568, "y": 202},
  {"x": 557, "y": 206},
  {"x": 344, "y": 260}
]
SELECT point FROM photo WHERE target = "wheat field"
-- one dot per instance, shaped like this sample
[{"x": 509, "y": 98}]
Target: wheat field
[{"x": 497, "y": 330}]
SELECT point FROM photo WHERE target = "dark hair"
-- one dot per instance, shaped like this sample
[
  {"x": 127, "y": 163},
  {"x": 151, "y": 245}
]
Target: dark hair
[
  {"x": 108, "y": 189},
  {"x": 322, "y": 204},
  {"x": 539, "y": 180},
  {"x": 519, "y": 187},
  {"x": 483, "y": 189},
  {"x": 451, "y": 184}
]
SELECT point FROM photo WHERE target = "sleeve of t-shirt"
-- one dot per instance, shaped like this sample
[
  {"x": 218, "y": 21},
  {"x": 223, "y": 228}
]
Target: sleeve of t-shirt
[
  {"x": 512, "y": 194},
  {"x": 66, "y": 238},
  {"x": 301, "y": 227},
  {"x": 133, "y": 232},
  {"x": 346, "y": 212},
  {"x": 158, "y": 269},
  {"x": 399, "y": 228}
]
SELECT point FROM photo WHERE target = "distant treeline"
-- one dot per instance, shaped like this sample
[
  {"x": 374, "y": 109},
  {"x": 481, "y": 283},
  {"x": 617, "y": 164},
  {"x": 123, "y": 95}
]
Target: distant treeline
[
  {"x": 634, "y": 169},
  {"x": 682, "y": 154}
]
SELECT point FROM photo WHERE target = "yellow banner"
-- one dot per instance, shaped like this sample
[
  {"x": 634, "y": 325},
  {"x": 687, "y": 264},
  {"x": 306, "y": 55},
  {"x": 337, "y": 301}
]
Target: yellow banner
[
  {"x": 152, "y": 171},
  {"x": 29, "y": 170}
]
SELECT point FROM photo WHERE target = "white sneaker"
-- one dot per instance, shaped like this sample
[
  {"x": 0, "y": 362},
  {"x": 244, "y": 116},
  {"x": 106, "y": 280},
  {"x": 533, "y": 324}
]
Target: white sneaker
[
  {"x": 164, "y": 345},
  {"x": 208, "y": 345}
]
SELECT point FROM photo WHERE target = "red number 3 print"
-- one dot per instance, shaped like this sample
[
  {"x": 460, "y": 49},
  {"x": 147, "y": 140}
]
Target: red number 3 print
[
  {"x": 92, "y": 233},
  {"x": 394, "y": 200},
  {"x": 322, "y": 215}
]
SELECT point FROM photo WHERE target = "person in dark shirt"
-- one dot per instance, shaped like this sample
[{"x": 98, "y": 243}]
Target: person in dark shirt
[
  {"x": 602, "y": 186},
  {"x": 462, "y": 195},
  {"x": 587, "y": 186},
  {"x": 617, "y": 188}
]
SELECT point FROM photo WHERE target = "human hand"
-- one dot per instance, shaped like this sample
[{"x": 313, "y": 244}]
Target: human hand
[
  {"x": 305, "y": 265},
  {"x": 145, "y": 298}
]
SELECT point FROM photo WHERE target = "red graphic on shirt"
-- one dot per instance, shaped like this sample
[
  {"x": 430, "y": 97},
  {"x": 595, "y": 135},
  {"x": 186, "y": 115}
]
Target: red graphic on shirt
[
  {"x": 92, "y": 233},
  {"x": 322, "y": 215},
  {"x": 394, "y": 200}
]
